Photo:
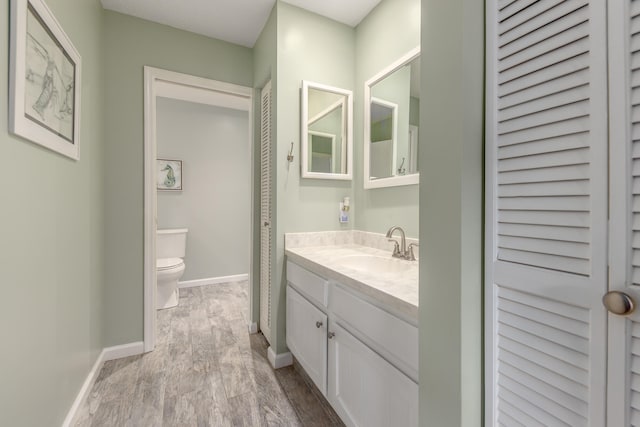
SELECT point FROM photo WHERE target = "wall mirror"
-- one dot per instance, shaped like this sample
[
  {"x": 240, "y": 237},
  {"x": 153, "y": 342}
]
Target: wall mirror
[
  {"x": 391, "y": 117},
  {"x": 327, "y": 132}
]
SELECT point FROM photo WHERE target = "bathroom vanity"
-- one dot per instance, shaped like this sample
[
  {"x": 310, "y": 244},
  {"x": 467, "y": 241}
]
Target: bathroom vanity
[{"x": 352, "y": 314}]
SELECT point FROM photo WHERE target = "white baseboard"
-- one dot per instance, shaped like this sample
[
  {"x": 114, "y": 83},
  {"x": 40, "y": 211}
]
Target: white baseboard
[
  {"x": 213, "y": 280},
  {"x": 253, "y": 328},
  {"x": 81, "y": 398},
  {"x": 124, "y": 350},
  {"x": 279, "y": 360},
  {"x": 108, "y": 353}
]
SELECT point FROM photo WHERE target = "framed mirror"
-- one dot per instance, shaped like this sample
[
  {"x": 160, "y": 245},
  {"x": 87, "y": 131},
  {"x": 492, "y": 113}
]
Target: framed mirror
[
  {"x": 327, "y": 132},
  {"x": 391, "y": 118}
]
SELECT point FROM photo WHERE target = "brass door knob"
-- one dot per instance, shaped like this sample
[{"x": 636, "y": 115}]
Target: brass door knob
[{"x": 618, "y": 303}]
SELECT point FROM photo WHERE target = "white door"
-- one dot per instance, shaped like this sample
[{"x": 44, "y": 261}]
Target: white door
[
  {"x": 307, "y": 337},
  {"x": 623, "y": 404},
  {"x": 265, "y": 211},
  {"x": 546, "y": 212}
]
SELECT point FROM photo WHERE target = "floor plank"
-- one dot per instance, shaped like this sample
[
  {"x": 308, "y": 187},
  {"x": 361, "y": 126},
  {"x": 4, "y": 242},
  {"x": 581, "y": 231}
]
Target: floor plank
[{"x": 206, "y": 370}]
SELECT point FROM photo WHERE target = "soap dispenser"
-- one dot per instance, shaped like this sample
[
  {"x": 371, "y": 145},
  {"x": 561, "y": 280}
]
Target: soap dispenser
[{"x": 344, "y": 210}]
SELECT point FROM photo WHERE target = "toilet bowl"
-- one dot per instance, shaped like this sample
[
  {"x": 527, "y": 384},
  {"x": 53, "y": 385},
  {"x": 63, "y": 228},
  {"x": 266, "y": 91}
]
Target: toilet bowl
[
  {"x": 170, "y": 250},
  {"x": 168, "y": 273}
]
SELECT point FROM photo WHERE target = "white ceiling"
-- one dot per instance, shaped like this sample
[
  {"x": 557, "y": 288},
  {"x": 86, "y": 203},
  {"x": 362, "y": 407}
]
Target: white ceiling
[{"x": 235, "y": 21}]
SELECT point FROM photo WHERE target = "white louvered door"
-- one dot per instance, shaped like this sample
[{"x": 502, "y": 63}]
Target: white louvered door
[
  {"x": 623, "y": 404},
  {"x": 546, "y": 214},
  {"x": 265, "y": 211}
]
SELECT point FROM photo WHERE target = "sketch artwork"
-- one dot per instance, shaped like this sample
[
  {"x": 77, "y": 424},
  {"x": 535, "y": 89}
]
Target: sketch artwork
[
  {"x": 49, "y": 85},
  {"x": 169, "y": 174}
]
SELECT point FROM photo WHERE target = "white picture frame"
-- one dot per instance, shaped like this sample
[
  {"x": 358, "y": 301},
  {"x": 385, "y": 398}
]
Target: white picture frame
[
  {"x": 169, "y": 175},
  {"x": 44, "y": 80}
]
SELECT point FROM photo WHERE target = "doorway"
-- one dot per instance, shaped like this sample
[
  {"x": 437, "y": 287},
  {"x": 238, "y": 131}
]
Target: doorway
[{"x": 177, "y": 87}]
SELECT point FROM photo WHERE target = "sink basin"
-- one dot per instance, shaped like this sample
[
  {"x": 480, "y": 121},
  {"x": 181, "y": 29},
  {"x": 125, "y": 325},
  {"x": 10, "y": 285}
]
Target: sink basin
[{"x": 377, "y": 264}]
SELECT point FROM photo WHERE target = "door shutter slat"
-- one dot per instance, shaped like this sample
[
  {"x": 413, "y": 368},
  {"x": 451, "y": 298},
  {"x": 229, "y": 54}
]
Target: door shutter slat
[
  {"x": 551, "y": 130},
  {"x": 560, "y": 188},
  {"x": 546, "y": 261},
  {"x": 545, "y": 160},
  {"x": 549, "y": 232},
  {"x": 561, "y": 143},
  {"x": 550, "y": 174},
  {"x": 573, "y": 204},
  {"x": 542, "y": 246}
]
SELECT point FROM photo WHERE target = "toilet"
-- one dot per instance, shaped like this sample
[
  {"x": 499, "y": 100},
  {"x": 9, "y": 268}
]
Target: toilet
[{"x": 170, "y": 250}]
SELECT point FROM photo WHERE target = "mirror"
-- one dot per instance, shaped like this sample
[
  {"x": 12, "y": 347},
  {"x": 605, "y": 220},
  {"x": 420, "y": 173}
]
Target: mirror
[
  {"x": 391, "y": 117},
  {"x": 326, "y": 124}
]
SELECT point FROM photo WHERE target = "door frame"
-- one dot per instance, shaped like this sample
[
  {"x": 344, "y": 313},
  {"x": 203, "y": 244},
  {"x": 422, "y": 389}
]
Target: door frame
[{"x": 185, "y": 87}]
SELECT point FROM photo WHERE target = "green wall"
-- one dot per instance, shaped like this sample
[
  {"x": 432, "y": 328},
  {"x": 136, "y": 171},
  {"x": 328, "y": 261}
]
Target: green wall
[
  {"x": 451, "y": 215},
  {"x": 51, "y": 229},
  {"x": 130, "y": 44},
  {"x": 388, "y": 32},
  {"x": 309, "y": 47}
]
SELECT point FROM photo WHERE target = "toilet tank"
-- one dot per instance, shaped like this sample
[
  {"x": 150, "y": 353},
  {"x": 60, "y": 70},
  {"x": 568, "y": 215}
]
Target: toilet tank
[{"x": 171, "y": 243}]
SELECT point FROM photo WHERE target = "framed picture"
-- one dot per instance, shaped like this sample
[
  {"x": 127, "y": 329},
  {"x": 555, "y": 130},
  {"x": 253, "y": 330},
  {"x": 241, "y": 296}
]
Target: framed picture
[
  {"x": 44, "y": 83},
  {"x": 169, "y": 174}
]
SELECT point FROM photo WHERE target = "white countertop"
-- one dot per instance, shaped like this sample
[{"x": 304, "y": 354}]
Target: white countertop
[{"x": 398, "y": 292}]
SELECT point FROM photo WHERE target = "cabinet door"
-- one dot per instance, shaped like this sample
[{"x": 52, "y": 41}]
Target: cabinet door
[
  {"x": 365, "y": 389},
  {"x": 307, "y": 337}
]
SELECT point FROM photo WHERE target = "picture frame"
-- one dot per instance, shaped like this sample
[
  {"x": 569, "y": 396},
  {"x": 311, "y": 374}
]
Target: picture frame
[
  {"x": 44, "y": 80},
  {"x": 169, "y": 175}
]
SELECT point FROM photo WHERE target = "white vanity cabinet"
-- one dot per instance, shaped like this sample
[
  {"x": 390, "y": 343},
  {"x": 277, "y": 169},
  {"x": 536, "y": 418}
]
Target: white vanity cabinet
[{"x": 362, "y": 358}]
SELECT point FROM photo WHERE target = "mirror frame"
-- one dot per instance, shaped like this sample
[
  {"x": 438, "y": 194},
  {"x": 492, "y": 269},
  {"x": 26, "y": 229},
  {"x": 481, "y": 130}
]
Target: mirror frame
[
  {"x": 393, "y": 181},
  {"x": 347, "y": 106}
]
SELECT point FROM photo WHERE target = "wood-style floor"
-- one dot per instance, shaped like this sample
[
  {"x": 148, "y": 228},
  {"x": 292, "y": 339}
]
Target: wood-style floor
[{"x": 206, "y": 370}]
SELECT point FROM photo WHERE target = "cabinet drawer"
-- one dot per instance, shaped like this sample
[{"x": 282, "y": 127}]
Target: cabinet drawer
[
  {"x": 393, "y": 338},
  {"x": 310, "y": 285}
]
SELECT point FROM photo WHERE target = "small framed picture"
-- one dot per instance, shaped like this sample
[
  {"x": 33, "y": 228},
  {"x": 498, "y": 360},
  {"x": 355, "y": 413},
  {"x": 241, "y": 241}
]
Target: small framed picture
[
  {"x": 169, "y": 175},
  {"x": 45, "y": 80}
]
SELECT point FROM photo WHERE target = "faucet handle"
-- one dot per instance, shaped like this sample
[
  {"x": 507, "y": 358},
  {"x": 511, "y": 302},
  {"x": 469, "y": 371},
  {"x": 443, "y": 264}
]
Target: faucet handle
[
  {"x": 396, "y": 248},
  {"x": 411, "y": 255}
]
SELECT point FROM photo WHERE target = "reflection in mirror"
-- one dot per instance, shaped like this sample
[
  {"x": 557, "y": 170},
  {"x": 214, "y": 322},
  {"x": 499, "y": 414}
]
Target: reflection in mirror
[
  {"x": 391, "y": 124},
  {"x": 326, "y": 132}
]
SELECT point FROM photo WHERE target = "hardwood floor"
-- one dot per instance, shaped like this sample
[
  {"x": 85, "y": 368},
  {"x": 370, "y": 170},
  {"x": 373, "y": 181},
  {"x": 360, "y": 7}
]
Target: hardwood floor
[{"x": 206, "y": 371}]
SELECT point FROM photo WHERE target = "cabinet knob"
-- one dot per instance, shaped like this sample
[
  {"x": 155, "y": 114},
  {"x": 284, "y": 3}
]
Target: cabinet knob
[
  {"x": 318, "y": 324},
  {"x": 331, "y": 335}
]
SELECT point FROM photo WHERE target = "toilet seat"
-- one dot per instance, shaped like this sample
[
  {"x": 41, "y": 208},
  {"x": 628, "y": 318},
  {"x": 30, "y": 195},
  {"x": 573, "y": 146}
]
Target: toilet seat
[{"x": 168, "y": 263}]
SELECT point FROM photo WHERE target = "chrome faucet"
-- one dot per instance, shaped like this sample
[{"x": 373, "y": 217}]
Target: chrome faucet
[{"x": 399, "y": 249}]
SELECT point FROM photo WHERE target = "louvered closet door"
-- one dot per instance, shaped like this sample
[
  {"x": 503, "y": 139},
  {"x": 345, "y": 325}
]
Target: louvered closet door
[
  {"x": 265, "y": 211},
  {"x": 624, "y": 332},
  {"x": 546, "y": 213}
]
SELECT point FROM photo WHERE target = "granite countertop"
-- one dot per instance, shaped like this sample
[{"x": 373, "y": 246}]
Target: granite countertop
[{"x": 395, "y": 291}]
